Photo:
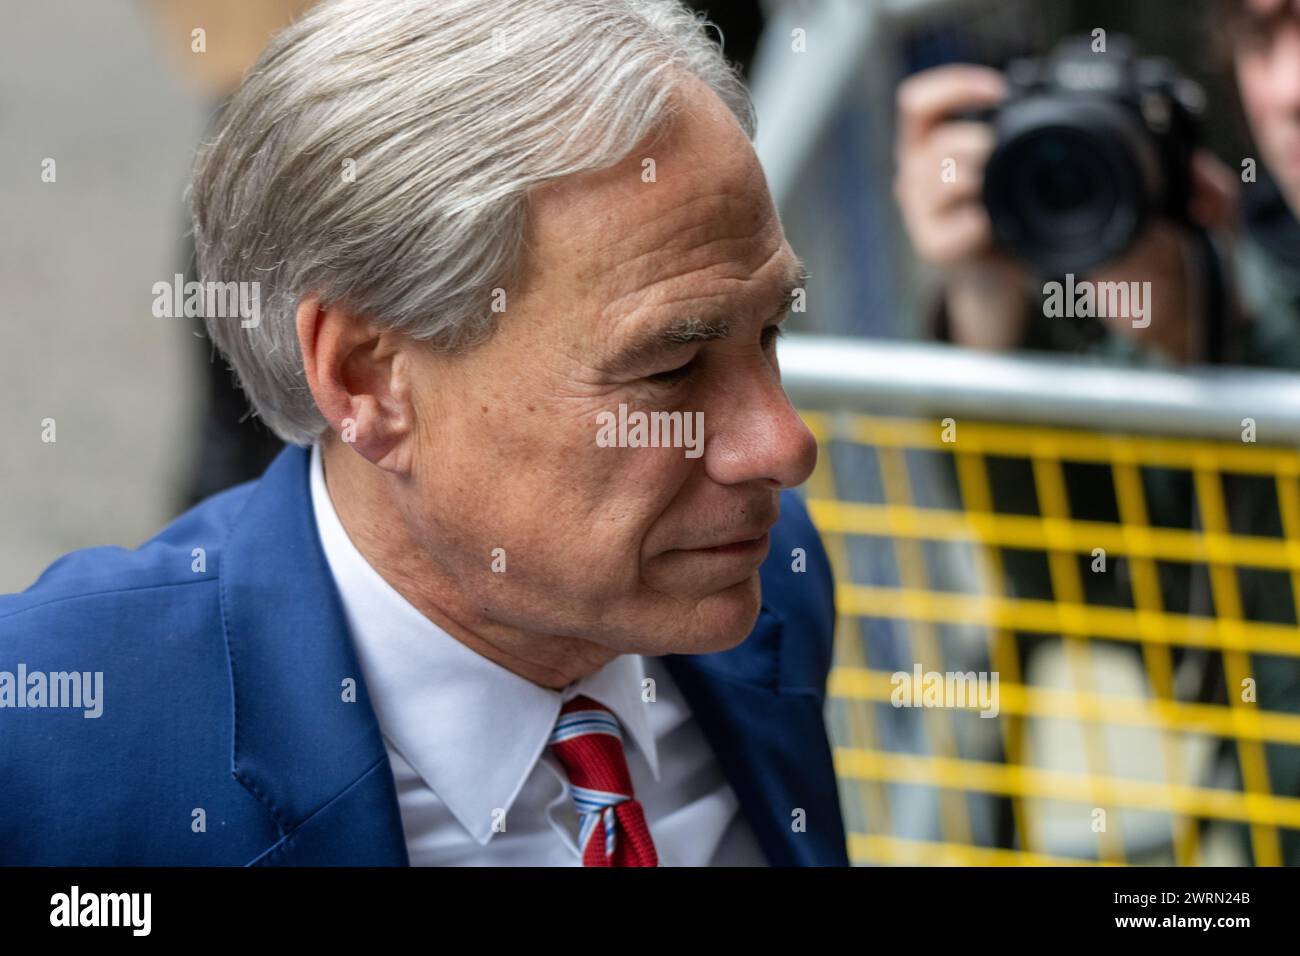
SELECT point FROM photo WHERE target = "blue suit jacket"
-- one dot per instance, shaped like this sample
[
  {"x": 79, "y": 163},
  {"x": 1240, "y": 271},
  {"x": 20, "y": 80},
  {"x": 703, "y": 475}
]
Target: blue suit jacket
[{"x": 223, "y": 703}]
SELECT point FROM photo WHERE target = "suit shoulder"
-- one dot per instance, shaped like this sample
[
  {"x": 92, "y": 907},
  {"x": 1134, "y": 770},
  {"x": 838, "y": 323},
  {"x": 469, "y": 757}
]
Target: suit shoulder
[{"x": 91, "y": 582}]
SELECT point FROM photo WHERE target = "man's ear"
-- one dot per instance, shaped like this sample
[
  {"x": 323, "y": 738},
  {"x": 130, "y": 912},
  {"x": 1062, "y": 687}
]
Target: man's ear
[{"x": 358, "y": 375}]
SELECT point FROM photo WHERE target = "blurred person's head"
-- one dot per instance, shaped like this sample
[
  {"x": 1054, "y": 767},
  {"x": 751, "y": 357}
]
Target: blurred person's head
[
  {"x": 479, "y": 226},
  {"x": 1265, "y": 42}
]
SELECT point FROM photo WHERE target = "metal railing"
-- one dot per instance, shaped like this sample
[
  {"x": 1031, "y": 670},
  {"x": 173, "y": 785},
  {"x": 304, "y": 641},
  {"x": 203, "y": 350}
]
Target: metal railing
[{"x": 1135, "y": 726}]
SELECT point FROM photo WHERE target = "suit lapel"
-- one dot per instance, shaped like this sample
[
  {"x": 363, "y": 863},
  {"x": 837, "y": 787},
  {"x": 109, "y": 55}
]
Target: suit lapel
[
  {"x": 356, "y": 828},
  {"x": 304, "y": 746},
  {"x": 771, "y": 743}
]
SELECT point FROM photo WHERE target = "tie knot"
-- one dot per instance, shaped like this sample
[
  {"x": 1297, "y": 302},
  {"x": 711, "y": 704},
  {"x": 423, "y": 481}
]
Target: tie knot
[
  {"x": 584, "y": 715},
  {"x": 588, "y": 742}
]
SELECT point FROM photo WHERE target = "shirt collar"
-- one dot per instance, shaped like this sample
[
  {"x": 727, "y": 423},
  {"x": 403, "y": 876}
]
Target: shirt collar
[{"x": 471, "y": 729}]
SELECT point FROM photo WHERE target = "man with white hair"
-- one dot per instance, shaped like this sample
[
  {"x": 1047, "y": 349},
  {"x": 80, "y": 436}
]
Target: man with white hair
[{"x": 449, "y": 625}]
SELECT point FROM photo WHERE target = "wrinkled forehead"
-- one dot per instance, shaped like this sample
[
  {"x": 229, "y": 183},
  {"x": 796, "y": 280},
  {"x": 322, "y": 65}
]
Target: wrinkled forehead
[{"x": 689, "y": 200}]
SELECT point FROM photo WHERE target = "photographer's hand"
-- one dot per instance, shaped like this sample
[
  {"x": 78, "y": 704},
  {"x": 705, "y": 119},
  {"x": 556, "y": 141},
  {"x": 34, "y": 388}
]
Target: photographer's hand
[{"x": 944, "y": 214}]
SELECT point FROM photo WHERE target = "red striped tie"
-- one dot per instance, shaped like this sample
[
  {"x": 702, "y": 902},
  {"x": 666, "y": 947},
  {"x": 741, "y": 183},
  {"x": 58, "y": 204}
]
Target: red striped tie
[{"x": 588, "y": 743}]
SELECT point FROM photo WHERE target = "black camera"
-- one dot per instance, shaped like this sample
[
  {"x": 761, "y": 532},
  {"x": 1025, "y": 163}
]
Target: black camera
[{"x": 1092, "y": 141}]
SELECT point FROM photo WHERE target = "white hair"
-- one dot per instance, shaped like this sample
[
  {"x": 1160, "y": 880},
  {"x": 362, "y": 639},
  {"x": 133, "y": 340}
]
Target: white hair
[{"x": 449, "y": 112}]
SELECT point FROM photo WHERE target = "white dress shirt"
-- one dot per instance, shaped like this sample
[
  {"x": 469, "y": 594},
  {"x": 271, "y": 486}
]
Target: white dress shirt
[{"x": 467, "y": 738}]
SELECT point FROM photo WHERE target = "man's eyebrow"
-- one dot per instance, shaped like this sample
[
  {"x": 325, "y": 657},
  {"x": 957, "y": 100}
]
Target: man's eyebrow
[
  {"x": 690, "y": 329},
  {"x": 796, "y": 284},
  {"x": 640, "y": 350}
]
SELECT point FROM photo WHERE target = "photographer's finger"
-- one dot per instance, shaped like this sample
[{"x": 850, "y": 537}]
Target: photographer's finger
[
  {"x": 947, "y": 170},
  {"x": 949, "y": 139},
  {"x": 959, "y": 235},
  {"x": 927, "y": 99}
]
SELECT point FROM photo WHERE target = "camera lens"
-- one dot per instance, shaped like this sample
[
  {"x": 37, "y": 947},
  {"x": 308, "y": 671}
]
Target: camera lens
[
  {"x": 1064, "y": 193},
  {"x": 1066, "y": 188},
  {"x": 1089, "y": 149}
]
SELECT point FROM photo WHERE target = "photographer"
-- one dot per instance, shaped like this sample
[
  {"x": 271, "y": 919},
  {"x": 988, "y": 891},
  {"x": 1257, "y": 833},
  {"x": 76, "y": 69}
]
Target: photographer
[
  {"x": 993, "y": 300},
  {"x": 990, "y": 299}
]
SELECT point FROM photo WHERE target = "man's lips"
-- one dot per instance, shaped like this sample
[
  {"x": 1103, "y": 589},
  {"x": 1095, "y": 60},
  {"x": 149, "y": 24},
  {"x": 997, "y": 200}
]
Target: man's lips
[
  {"x": 740, "y": 541},
  {"x": 737, "y": 548}
]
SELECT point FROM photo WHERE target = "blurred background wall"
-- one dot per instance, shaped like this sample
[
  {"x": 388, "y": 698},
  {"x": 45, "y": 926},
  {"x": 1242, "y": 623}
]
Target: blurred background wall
[{"x": 85, "y": 84}]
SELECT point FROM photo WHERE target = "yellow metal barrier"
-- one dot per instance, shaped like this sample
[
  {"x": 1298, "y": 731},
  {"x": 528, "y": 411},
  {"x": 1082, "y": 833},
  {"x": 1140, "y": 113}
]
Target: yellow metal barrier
[{"x": 1099, "y": 801}]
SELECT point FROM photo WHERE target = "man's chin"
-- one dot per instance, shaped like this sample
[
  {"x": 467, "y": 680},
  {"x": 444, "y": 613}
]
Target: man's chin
[
  {"x": 723, "y": 619},
  {"x": 684, "y": 623}
]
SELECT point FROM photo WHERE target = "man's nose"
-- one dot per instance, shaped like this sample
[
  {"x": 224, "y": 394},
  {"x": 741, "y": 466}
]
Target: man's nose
[{"x": 759, "y": 437}]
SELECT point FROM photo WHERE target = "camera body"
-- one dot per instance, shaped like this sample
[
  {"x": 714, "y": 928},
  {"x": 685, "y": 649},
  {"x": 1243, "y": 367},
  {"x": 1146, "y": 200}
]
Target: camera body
[{"x": 1090, "y": 146}]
